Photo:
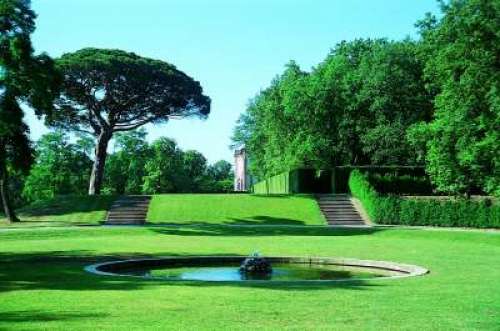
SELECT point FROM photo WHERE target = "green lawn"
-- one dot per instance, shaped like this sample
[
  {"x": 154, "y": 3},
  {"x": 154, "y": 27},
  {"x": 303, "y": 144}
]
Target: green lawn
[
  {"x": 234, "y": 209},
  {"x": 180, "y": 209},
  {"x": 43, "y": 285},
  {"x": 65, "y": 210}
]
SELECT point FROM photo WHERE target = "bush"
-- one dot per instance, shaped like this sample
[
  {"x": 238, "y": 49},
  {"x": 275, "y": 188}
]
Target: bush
[
  {"x": 342, "y": 174},
  {"x": 396, "y": 210},
  {"x": 406, "y": 184}
]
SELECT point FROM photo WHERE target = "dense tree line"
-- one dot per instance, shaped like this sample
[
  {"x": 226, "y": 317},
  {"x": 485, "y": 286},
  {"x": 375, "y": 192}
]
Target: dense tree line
[
  {"x": 135, "y": 167},
  {"x": 434, "y": 102},
  {"x": 24, "y": 78},
  {"x": 108, "y": 91},
  {"x": 95, "y": 91}
]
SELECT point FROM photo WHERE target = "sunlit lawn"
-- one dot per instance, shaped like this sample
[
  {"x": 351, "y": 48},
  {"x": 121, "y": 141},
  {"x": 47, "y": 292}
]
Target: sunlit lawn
[
  {"x": 43, "y": 285},
  {"x": 65, "y": 210},
  {"x": 235, "y": 209}
]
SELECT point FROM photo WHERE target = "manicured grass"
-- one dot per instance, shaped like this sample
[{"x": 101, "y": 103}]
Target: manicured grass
[
  {"x": 234, "y": 209},
  {"x": 43, "y": 285},
  {"x": 65, "y": 210}
]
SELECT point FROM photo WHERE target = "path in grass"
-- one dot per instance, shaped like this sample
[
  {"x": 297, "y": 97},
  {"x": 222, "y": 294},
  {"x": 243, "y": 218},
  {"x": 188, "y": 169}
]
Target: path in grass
[
  {"x": 234, "y": 209},
  {"x": 43, "y": 285}
]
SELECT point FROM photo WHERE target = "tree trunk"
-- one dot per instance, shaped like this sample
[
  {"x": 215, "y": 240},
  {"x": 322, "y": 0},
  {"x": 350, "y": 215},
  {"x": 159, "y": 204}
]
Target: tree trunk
[
  {"x": 99, "y": 163},
  {"x": 4, "y": 195}
]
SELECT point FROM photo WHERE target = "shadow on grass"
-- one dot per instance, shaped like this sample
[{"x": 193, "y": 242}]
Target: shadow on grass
[
  {"x": 240, "y": 229},
  {"x": 56, "y": 270},
  {"x": 251, "y": 220},
  {"x": 63, "y": 205},
  {"x": 20, "y": 316}
]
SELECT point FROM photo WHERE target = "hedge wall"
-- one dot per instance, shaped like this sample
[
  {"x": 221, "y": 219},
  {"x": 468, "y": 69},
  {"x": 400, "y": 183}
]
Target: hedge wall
[
  {"x": 328, "y": 181},
  {"x": 396, "y": 210},
  {"x": 296, "y": 181},
  {"x": 340, "y": 180},
  {"x": 406, "y": 184},
  {"x": 279, "y": 184}
]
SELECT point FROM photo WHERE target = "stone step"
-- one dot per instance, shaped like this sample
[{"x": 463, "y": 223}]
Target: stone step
[
  {"x": 346, "y": 209},
  {"x": 129, "y": 210},
  {"x": 333, "y": 200},
  {"x": 126, "y": 216},
  {"x": 139, "y": 205},
  {"x": 120, "y": 219},
  {"x": 347, "y": 219},
  {"x": 360, "y": 224},
  {"x": 336, "y": 217},
  {"x": 129, "y": 222},
  {"x": 338, "y": 210},
  {"x": 132, "y": 201},
  {"x": 134, "y": 210}
]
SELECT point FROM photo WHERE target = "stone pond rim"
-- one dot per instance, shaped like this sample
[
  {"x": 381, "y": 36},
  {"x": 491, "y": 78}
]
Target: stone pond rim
[{"x": 113, "y": 268}]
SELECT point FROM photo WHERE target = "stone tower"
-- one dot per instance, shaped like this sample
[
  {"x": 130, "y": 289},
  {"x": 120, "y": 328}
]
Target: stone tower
[{"x": 242, "y": 181}]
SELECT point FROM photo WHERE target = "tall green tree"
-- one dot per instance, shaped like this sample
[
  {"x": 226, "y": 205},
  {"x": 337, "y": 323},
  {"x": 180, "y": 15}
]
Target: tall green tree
[
  {"x": 163, "y": 170},
  {"x": 26, "y": 78},
  {"x": 220, "y": 177},
  {"x": 354, "y": 108},
  {"x": 193, "y": 172},
  {"x": 60, "y": 168},
  {"x": 125, "y": 168},
  {"x": 462, "y": 50},
  {"x": 108, "y": 91}
]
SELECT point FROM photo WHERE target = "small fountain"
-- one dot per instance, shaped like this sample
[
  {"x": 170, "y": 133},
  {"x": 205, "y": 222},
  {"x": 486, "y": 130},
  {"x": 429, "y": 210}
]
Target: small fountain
[{"x": 256, "y": 267}]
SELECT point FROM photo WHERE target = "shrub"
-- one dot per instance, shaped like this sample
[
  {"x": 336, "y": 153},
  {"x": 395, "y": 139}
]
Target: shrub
[
  {"x": 406, "y": 184},
  {"x": 452, "y": 212}
]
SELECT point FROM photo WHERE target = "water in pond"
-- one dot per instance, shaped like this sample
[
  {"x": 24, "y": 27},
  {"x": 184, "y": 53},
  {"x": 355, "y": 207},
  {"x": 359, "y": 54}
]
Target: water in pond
[{"x": 281, "y": 272}]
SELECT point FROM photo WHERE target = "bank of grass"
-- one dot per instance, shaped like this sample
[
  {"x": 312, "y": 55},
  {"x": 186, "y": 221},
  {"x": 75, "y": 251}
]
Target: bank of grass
[
  {"x": 64, "y": 210},
  {"x": 43, "y": 285},
  {"x": 235, "y": 209}
]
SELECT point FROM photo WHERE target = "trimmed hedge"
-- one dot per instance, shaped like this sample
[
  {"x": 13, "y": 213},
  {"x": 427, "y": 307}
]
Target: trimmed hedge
[
  {"x": 406, "y": 184},
  {"x": 396, "y": 210},
  {"x": 327, "y": 181},
  {"x": 341, "y": 174},
  {"x": 295, "y": 181},
  {"x": 279, "y": 184}
]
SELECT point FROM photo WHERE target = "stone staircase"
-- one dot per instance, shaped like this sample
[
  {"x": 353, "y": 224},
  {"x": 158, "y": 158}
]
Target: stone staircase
[
  {"x": 339, "y": 210},
  {"x": 128, "y": 210}
]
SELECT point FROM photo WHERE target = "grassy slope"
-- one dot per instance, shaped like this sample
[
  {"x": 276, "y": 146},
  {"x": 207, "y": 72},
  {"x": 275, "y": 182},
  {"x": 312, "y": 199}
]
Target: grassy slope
[
  {"x": 43, "y": 286},
  {"x": 234, "y": 209},
  {"x": 64, "y": 210}
]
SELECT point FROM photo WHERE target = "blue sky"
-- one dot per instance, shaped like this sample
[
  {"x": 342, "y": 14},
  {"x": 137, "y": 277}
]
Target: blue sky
[{"x": 233, "y": 47}]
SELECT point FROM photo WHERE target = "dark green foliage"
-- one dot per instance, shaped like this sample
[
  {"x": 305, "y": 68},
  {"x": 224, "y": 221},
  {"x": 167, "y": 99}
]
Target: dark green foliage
[
  {"x": 26, "y": 78},
  {"x": 408, "y": 185},
  {"x": 462, "y": 68},
  {"x": 336, "y": 180},
  {"x": 296, "y": 181},
  {"x": 168, "y": 169},
  {"x": 219, "y": 177},
  {"x": 352, "y": 109},
  {"x": 125, "y": 167},
  {"x": 341, "y": 174},
  {"x": 162, "y": 168},
  {"x": 60, "y": 168},
  {"x": 444, "y": 211},
  {"x": 107, "y": 91},
  {"x": 63, "y": 168}
]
